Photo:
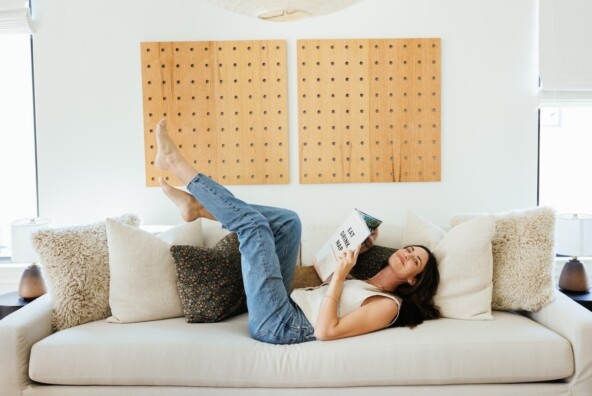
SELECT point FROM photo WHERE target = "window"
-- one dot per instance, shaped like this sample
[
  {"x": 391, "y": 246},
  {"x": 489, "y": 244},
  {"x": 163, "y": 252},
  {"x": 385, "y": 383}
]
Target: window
[
  {"x": 565, "y": 64},
  {"x": 18, "y": 195},
  {"x": 565, "y": 171}
]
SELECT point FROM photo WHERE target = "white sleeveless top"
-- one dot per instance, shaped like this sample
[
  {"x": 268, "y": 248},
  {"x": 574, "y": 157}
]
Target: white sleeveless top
[{"x": 354, "y": 293}]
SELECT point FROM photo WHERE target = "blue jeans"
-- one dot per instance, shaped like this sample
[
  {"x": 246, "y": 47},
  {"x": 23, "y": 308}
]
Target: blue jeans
[{"x": 269, "y": 240}]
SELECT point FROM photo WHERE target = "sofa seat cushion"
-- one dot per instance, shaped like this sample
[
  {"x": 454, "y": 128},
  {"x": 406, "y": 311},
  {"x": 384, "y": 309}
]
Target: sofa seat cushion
[{"x": 509, "y": 348}]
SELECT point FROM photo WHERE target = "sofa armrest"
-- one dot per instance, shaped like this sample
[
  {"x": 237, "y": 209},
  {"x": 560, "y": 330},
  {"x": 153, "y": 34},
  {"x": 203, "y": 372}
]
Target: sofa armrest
[
  {"x": 18, "y": 332},
  {"x": 574, "y": 322}
]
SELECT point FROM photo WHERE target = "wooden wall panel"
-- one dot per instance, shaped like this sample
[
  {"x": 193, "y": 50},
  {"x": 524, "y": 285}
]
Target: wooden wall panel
[
  {"x": 226, "y": 106},
  {"x": 369, "y": 110}
]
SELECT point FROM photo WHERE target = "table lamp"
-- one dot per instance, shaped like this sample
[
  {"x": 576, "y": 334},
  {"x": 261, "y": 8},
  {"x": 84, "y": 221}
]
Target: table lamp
[
  {"x": 31, "y": 284},
  {"x": 574, "y": 238}
]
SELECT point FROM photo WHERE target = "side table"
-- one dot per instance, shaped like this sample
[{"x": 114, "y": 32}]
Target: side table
[
  {"x": 584, "y": 299},
  {"x": 10, "y": 302}
]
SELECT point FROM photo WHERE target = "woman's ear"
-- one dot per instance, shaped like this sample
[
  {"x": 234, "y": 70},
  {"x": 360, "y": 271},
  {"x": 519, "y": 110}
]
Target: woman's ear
[{"x": 412, "y": 281}]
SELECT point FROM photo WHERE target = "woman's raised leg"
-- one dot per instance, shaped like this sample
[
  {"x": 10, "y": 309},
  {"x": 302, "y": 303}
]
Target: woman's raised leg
[
  {"x": 287, "y": 230},
  {"x": 272, "y": 315}
]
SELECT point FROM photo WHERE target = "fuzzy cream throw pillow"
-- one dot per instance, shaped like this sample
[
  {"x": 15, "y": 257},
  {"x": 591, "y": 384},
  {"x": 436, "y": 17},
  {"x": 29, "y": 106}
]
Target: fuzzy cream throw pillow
[
  {"x": 75, "y": 262},
  {"x": 523, "y": 254}
]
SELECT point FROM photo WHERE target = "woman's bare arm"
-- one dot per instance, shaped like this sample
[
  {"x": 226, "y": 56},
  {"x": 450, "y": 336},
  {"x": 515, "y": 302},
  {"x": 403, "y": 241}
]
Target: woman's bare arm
[{"x": 376, "y": 312}]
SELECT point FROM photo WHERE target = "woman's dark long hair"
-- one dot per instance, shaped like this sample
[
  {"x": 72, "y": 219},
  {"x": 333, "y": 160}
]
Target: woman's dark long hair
[{"x": 418, "y": 300}]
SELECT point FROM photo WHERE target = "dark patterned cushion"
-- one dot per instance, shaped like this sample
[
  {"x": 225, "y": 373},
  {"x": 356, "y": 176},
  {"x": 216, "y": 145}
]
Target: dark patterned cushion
[
  {"x": 210, "y": 281},
  {"x": 372, "y": 261}
]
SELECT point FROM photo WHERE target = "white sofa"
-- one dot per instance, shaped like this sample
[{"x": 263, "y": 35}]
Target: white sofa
[{"x": 544, "y": 353}]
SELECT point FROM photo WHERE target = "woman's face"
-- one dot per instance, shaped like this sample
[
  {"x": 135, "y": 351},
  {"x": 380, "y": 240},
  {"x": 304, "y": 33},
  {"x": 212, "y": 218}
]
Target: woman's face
[{"x": 408, "y": 262}]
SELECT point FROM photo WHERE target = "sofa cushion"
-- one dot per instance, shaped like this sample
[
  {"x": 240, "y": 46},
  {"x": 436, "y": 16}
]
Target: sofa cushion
[
  {"x": 143, "y": 283},
  {"x": 523, "y": 257},
  {"x": 75, "y": 260},
  {"x": 465, "y": 264},
  {"x": 510, "y": 348},
  {"x": 209, "y": 280},
  {"x": 305, "y": 276}
]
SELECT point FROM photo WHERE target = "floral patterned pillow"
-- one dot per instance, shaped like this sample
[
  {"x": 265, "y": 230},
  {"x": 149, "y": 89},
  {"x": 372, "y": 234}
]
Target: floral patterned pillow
[
  {"x": 210, "y": 281},
  {"x": 371, "y": 262}
]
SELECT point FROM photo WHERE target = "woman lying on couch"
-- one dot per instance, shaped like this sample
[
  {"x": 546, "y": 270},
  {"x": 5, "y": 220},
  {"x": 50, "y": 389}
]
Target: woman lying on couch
[{"x": 269, "y": 241}]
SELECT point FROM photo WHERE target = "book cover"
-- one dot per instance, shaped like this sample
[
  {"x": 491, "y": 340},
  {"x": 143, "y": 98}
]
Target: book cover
[{"x": 352, "y": 232}]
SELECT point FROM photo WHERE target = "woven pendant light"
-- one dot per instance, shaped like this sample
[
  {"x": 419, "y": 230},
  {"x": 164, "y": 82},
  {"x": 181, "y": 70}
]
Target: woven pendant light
[{"x": 283, "y": 10}]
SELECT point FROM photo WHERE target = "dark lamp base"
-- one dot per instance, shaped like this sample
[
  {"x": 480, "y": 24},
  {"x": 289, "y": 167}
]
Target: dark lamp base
[{"x": 573, "y": 277}]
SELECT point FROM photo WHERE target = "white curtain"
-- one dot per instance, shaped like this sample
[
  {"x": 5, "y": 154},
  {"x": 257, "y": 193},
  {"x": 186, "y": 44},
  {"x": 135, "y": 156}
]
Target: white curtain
[{"x": 15, "y": 16}]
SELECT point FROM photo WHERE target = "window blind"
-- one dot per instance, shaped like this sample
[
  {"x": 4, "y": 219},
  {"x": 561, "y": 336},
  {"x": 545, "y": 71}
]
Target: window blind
[
  {"x": 15, "y": 17},
  {"x": 565, "y": 50}
]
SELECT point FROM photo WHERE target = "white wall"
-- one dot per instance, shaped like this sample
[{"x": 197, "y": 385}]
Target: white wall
[{"x": 89, "y": 105}]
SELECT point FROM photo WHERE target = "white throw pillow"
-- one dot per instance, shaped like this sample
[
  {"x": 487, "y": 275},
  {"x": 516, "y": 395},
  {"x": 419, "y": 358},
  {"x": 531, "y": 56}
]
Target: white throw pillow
[
  {"x": 465, "y": 264},
  {"x": 184, "y": 234},
  {"x": 523, "y": 257},
  {"x": 143, "y": 283}
]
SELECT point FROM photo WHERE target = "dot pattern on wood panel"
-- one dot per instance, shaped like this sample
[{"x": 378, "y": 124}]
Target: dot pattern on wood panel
[
  {"x": 226, "y": 108},
  {"x": 369, "y": 110}
]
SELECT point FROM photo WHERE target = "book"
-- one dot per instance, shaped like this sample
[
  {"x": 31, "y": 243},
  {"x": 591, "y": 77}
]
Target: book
[{"x": 352, "y": 232}]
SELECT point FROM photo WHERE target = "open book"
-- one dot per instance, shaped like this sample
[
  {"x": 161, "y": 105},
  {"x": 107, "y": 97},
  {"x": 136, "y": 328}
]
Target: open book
[{"x": 353, "y": 231}]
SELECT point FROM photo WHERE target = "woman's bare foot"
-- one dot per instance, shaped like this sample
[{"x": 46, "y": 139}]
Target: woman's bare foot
[
  {"x": 167, "y": 154},
  {"x": 168, "y": 157},
  {"x": 189, "y": 207}
]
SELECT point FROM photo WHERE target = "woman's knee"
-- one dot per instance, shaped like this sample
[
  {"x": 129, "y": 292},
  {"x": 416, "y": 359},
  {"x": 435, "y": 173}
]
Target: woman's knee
[{"x": 293, "y": 220}]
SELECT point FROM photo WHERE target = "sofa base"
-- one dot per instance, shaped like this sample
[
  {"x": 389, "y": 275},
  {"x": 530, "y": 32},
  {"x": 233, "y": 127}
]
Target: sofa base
[{"x": 534, "y": 389}]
